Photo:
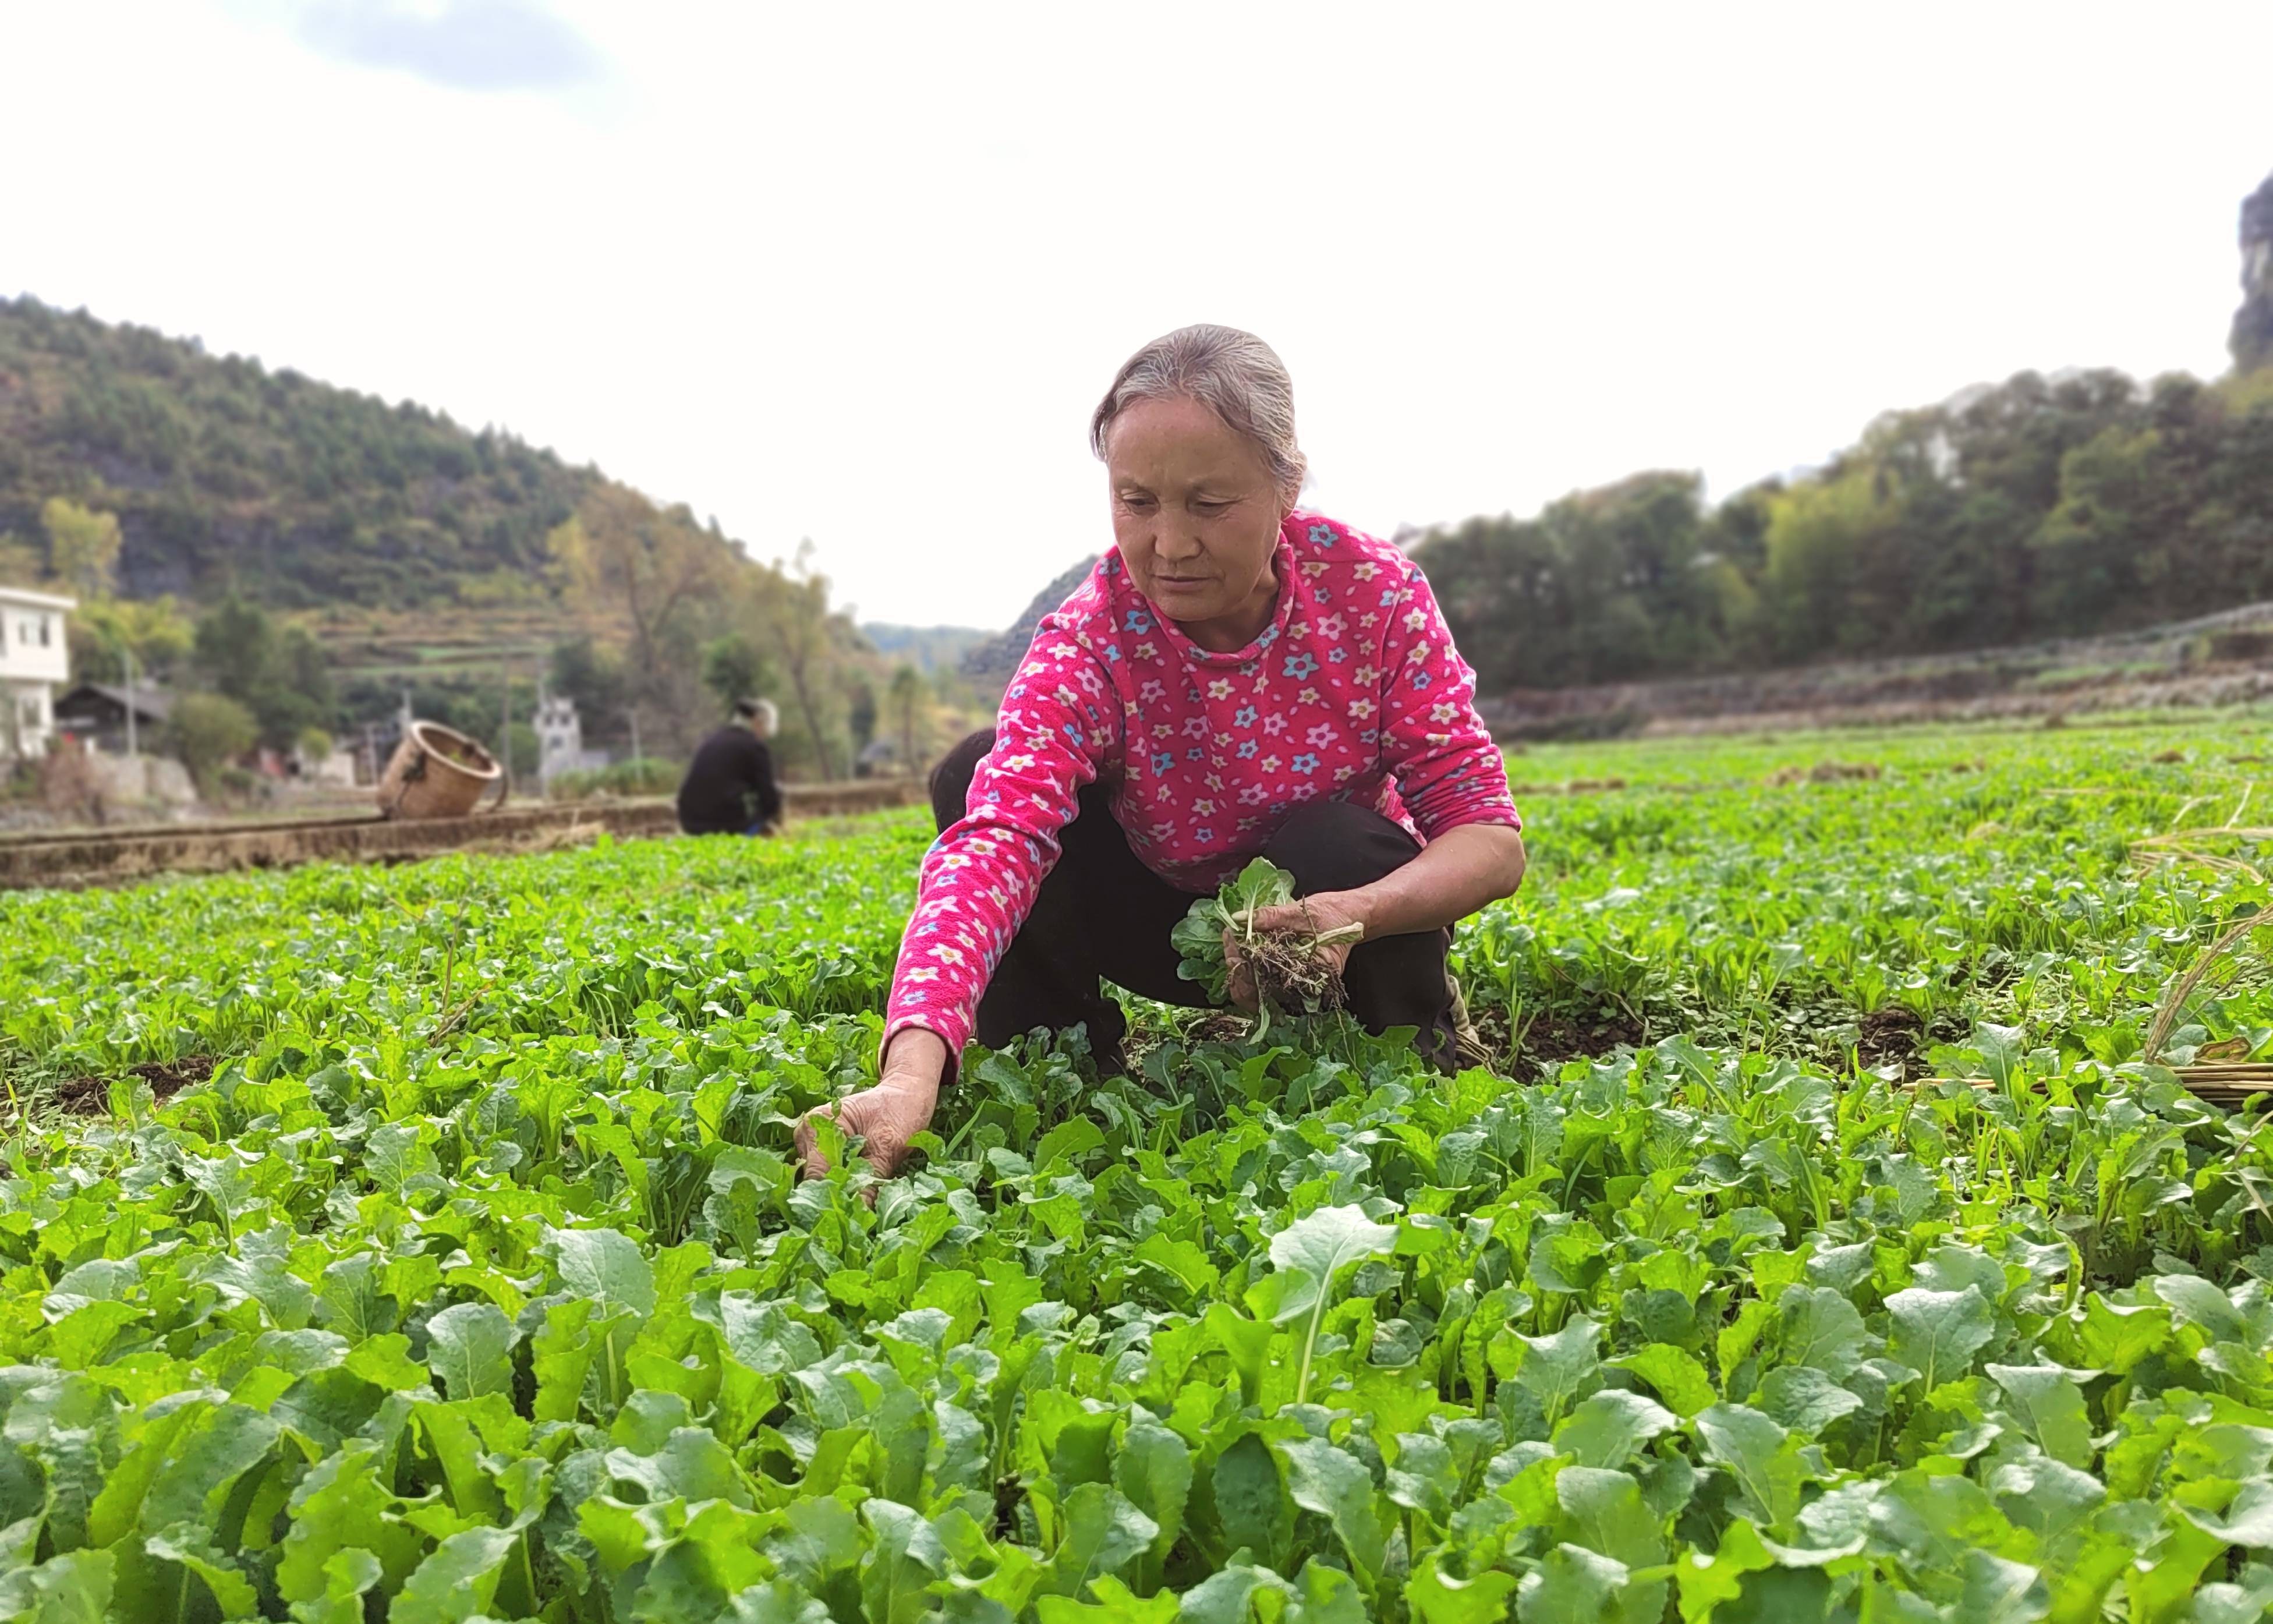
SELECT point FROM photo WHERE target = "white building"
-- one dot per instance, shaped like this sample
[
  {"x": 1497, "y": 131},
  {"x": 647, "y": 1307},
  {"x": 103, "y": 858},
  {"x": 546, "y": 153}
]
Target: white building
[
  {"x": 560, "y": 741},
  {"x": 34, "y": 662}
]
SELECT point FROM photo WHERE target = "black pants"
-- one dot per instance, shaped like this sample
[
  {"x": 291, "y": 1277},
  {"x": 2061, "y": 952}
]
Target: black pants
[{"x": 1102, "y": 912}]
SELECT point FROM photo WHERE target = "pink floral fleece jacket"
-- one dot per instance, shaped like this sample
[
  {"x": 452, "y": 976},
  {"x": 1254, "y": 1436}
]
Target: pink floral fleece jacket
[{"x": 1353, "y": 692}]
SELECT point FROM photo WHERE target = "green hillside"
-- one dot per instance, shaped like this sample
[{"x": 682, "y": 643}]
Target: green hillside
[
  {"x": 228, "y": 476},
  {"x": 421, "y": 556}
]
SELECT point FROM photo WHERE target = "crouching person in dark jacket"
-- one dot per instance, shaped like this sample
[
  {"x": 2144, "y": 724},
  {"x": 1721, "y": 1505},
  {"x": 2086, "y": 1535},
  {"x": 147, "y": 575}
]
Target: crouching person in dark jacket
[{"x": 730, "y": 788}]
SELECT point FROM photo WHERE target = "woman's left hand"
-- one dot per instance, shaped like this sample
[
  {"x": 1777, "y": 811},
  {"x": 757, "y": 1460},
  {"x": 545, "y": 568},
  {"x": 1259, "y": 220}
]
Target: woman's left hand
[{"x": 1328, "y": 911}]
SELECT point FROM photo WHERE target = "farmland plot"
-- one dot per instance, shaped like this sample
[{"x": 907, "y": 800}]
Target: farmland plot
[{"x": 425, "y": 1244}]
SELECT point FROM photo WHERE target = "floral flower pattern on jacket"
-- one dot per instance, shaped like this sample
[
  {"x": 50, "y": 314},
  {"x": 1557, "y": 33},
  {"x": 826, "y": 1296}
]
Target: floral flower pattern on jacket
[{"x": 1353, "y": 692}]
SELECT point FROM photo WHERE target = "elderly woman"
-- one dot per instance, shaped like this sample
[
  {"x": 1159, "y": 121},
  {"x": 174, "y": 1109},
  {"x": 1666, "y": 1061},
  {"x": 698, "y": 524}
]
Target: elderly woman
[{"x": 1237, "y": 678}]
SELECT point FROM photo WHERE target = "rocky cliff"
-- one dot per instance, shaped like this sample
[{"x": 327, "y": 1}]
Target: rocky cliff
[
  {"x": 2253, "y": 324},
  {"x": 992, "y": 664}
]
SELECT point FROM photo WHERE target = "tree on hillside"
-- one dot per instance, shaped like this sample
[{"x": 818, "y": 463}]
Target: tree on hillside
[
  {"x": 860, "y": 711},
  {"x": 810, "y": 641},
  {"x": 280, "y": 679},
  {"x": 208, "y": 731},
  {"x": 82, "y": 547},
  {"x": 105, "y": 632},
  {"x": 622, "y": 559},
  {"x": 907, "y": 700},
  {"x": 733, "y": 669},
  {"x": 2043, "y": 506},
  {"x": 20, "y": 564},
  {"x": 235, "y": 646}
]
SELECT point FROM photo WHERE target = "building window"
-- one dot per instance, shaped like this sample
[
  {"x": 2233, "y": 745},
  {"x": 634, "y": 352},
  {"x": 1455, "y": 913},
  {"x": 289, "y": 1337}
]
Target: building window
[{"x": 45, "y": 622}]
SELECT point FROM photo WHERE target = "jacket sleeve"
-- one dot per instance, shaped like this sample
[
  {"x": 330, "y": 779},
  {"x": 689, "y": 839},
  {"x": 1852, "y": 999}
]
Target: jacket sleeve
[
  {"x": 764, "y": 786},
  {"x": 1059, "y": 723},
  {"x": 1448, "y": 771}
]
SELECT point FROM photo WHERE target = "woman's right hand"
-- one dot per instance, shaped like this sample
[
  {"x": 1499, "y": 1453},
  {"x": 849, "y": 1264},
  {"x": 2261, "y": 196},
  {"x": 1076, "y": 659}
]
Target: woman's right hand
[{"x": 890, "y": 1114}]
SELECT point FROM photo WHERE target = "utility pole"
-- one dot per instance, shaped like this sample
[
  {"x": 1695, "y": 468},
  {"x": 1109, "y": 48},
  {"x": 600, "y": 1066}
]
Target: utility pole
[
  {"x": 505, "y": 728},
  {"x": 133, "y": 749}
]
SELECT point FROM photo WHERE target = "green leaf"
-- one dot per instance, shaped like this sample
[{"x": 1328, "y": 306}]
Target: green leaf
[
  {"x": 1681, "y": 1381},
  {"x": 1821, "y": 1330},
  {"x": 397, "y": 1161},
  {"x": 1608, "y": 1427},
  {"x": 777, "y": 1601},
  {"x": 1423, "y": 1478},
  {"x": 2048, "y": 1402},
  {"x": 1572, "y": 1585},
  {"x": 348, "y": 1576},
  {"x": 1153, "y": 1467},
  {"x": 1436, "y": 1598},
  {"x": 1198, "y": 937},
  {"x": 1937, "y": 1332},
  {"x": 457, "y": 1582},
  {"x": 187, "y": 1474},
  {"x": 1331, "y": 1482},
  {"x": 1103, "y": 1533},
  {"x": 1557, "y": 1368},
  {"x": 80, "y": 1338},
  {"x": 1228, "y": 1595},
  {"x": 561, "y": 1357},
  {"x": 1115, "y": 1603},
  {"x": 470, "y": 1348},
  {"x": 1326, "y": 1595},
  {"x": 1802, "y": 1399},
  {"x": 1329, "y": 1239},
  {"x": 2001, "y": 1592},
  {"x": 386, "y": 1362},
  {"x": 1311, "y": 1250},
  {"x": 1758, "y": 1454},
  {"x": 74, "y": 1588},
  {"x": 605, "y": 1268},
  {"x": 2197, "y": 1301},
  {"x": 897, "y": 1575},
  {"x": 2247, "y": 1520},
  {"x": 2115, "y": 1338},
  {"x": 228, "y": 1586},
  {"x": 341, "y": 1505},
  {"x": 2050, "y": 1500},
  {"x": 1607, "y": 1516},
  {"x": 1250, "y": 1500},
  {"x": 1068, "y": 1142},
  {"x": 1707, "y": 1584},
  {"x": 1181, "y": 1259}
]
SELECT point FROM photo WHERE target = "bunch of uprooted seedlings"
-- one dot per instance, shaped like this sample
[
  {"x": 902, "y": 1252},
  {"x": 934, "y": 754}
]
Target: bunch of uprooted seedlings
[{"x": 1293, "y": 973}]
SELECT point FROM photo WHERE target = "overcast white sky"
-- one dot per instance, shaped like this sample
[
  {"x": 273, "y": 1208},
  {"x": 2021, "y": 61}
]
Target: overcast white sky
[{"x": 860, "y": 273}]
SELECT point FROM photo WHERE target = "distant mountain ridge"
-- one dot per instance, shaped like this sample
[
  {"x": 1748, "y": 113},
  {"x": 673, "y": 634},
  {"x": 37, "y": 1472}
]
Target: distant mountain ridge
[
  {"x": 928, "y": 648},
  {"x": 992, "y": 663}
]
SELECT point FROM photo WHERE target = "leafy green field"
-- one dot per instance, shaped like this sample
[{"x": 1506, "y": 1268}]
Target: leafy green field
[{"x": 475, "y": 1281}]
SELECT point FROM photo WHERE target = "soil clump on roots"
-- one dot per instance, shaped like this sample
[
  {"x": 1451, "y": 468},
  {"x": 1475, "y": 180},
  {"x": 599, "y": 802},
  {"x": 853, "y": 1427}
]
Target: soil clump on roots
[{"x": 1291, "y": 975}]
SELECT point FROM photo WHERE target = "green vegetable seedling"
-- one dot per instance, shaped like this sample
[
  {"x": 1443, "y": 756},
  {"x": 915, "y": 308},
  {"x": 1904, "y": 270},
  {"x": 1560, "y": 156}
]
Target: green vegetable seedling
[{"x": 1292, "y": 975}]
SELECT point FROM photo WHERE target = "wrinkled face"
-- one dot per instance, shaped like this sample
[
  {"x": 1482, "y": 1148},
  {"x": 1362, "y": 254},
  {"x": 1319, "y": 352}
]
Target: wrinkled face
[{"x": 1196, "y": 514}]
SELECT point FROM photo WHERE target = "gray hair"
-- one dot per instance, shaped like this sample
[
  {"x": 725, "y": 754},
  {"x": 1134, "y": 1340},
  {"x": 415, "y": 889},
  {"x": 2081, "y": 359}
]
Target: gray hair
[
  {"x": 1234, "y": 374},
  {"x": 763, "y": 711}
]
